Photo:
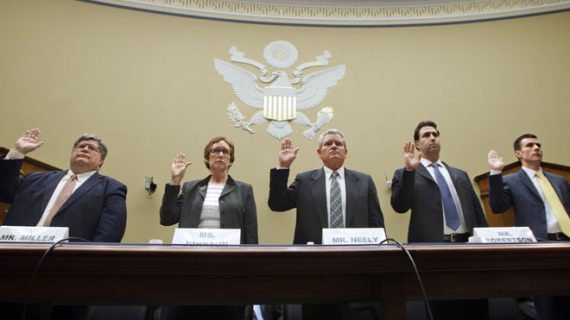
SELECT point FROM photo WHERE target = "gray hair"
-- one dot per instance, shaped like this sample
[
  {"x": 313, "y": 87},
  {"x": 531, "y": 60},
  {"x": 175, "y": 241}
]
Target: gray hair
[
  {"x": 332, "y": 132},
  {"x": 90, "y": 136}
]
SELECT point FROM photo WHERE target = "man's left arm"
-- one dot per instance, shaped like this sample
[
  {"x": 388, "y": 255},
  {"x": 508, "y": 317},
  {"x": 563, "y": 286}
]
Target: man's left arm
[
  {"x": 375, "y": 217},
  {"x": 113, "y": 221},
  {"x": 478, "y": 214},
  {"x": 480, "y": 219}
]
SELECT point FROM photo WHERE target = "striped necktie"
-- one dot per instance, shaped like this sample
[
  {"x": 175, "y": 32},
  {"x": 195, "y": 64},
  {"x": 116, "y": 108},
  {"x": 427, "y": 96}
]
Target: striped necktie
[{"x": 335, "y": 204}]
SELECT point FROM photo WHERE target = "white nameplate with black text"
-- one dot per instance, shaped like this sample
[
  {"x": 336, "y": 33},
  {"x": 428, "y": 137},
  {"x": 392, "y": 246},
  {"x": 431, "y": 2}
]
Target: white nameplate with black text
[
  {"x": 353, "y": 236},
  {"x": 205, "y": 236},
  {"x": 503, "y": 235},
  {"x": 33, "y": 234}
]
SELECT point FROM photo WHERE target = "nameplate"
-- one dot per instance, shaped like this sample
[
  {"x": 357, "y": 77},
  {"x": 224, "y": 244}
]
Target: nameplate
[
  {"x": 352, "y": 236},
  {"x": 33, "y": 234},
  {"x": 502, "y": 235},
  {"x": 204, "y": 236}
]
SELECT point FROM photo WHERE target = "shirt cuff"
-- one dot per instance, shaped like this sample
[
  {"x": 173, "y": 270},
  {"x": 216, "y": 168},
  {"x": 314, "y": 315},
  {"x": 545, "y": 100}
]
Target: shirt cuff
[
  {"x": 13, "y": 154},
  {"x": 495, "y": 172}
]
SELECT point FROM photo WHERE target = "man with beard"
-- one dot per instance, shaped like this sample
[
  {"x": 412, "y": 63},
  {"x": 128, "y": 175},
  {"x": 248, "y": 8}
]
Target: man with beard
[{"x": 443, "y": 204}]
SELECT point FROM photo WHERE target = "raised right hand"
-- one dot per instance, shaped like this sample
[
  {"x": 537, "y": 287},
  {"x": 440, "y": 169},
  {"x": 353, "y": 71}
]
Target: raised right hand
[
  {"x": 29, "y": 141},
  {"x": 178, "y": 168},
  {"x": 410, "y": 161},
  {"x": 495, "y": 162},
  {"x": 287, "y": 154}
]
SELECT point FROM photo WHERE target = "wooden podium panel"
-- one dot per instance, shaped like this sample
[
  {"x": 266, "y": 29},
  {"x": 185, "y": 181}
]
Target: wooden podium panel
[
  {"x": 165, "y": 274},
  {"x": 29, "y": 165},
  {"x": 507, "y": 219}
]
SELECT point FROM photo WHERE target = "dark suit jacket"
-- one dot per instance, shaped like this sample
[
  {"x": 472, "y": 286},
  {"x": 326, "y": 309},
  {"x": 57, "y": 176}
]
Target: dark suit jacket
[
  {"x": 237, "y": 207},
  {"x": 96, "y": 211},
  {"x": 518, "y": 191},
  {"x": 416, "y": 190},
  {"x": 308, "y": 194}
]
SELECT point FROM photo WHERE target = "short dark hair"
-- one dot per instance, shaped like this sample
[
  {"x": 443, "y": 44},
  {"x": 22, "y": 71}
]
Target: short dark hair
[
  {"x": 517, "y": 143},
  {"x": 209, "y": 145},
  {"x": 92, "y": 137},
  {"x": 426, "y": 123}
]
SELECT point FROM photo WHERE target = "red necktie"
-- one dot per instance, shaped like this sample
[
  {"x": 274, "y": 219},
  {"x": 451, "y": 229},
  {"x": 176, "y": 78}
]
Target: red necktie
[{"x": 61, "y": 198}]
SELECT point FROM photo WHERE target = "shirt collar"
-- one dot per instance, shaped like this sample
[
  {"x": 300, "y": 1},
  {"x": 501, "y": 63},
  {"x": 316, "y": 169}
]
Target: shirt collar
[
  {"x": 340, "y": 172},
  {"x": 80, "y": 177},
  {"x": 531, "y": 172},
  {"x": 427, "y": 163}
]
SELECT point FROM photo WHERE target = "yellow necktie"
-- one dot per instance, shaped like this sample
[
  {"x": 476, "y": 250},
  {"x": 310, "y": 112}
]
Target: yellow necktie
[{"x": 554, "y": 203}]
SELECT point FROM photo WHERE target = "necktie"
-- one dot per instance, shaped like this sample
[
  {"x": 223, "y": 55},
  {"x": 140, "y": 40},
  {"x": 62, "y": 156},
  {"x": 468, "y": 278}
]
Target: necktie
[
  {"x": 61, "y": 198},
  {"x": 335, "y": 204},
  {"x": 554, "y": 203},
  {"x": 449, "y": 209}
]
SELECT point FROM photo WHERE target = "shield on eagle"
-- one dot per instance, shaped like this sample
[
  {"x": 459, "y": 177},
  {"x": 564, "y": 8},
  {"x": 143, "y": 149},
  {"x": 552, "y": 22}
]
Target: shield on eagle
[{"x": 279, "y": 97}]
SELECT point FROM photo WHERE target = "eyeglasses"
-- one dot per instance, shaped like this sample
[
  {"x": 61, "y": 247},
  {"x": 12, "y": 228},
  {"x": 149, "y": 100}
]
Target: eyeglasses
[
  {"x": 90, "y": 147},
  {"x": 224, "y": 151}
]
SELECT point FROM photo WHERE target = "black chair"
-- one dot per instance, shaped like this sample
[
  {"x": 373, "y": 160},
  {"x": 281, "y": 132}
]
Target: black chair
[{"x": 119, "y": 312}]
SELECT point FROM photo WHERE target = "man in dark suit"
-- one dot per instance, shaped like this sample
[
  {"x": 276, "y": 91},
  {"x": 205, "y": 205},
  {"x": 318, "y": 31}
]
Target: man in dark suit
[
  {"x": 522, "y": 190},
  {"x": 415, "y": 187},
  {"x": 310, "y": 192},
  {"x": 95, "y": 210},
  {"x": 352, "y": 203},
  {"x": 540, "y": 200},
  {"x": 444, "y": 207},
  {"x": 91, "y": 205}
]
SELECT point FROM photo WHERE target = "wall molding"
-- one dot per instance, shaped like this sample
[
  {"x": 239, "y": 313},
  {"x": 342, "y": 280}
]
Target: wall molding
[{"x": 347, "y": 12}]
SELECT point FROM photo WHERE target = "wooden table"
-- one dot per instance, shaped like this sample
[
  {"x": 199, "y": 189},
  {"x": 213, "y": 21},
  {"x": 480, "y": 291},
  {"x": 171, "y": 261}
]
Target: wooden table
[{"x": 164, "y": 274}]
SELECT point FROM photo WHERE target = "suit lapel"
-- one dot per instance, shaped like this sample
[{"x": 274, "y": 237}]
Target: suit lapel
[
  {"x": 453, "y": 176},
  {"x": 229, "y": 187},
  {"x": 203, "y": 189},
  {"x": 352, "y": 191},
  {"x": 422, "y": 171},
  {"x": 319, "y": 195},
  {"x": 554, "y": 185},
  {"x": 94, "y": 180},
  {"x": 525, "y": 180},
  {"x": 50, "y": 188},
  {"x": 196, "y": 204}
]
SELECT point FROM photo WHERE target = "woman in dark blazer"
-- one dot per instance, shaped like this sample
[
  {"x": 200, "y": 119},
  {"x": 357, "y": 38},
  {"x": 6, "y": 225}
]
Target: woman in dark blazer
[{"x": 218, "y": 201}]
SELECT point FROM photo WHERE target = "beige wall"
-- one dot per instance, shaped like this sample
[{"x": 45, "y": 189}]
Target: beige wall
[{"x": 145, "y": 83}]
